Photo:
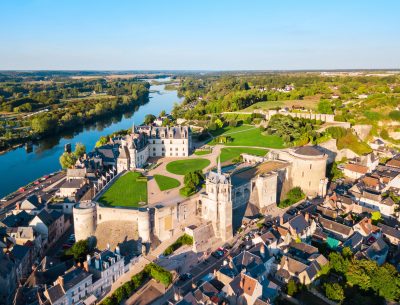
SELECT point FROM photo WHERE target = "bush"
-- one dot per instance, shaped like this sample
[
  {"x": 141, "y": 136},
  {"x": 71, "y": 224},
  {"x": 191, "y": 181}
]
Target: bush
[
  {"x": 186, "y": 191},
  {"x": 336, "y": 132},
  {"x": 292, "y": 288},
  {"x": 293, "y": 196},
  {"x": 159, "y": 273},
  {"x": 334, "y": 292},
  {"x": 185, "y": 239}
]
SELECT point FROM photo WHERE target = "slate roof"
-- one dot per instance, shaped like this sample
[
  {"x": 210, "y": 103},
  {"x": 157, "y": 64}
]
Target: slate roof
[
  {"x": 45, "y": 217},
  {"x": 354, "y": 241},
  {"x": 30, "y": 203},
  {"x": 335, "y": 226},
  {"x": 20, "y": 219},
  {"x": 298, "y": 223},
  {"x": 308, "y": 151},
  {"x": 74, "y": 277},
  {"x": 20, "y": 252},
  {"x": 390, "y": 231},
  {"x": 55, "y": 293},
  {"x": 379, "y": 247}
]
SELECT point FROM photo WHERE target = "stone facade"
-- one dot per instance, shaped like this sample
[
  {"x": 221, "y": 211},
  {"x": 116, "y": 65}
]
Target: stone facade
[{"x": 149, "y": 141}]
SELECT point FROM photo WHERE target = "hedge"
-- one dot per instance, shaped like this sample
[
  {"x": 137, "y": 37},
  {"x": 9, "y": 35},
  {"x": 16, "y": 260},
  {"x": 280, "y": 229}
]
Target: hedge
[
  {"x": 185, "y": 239},
  {"x": 126, "y": 290}
]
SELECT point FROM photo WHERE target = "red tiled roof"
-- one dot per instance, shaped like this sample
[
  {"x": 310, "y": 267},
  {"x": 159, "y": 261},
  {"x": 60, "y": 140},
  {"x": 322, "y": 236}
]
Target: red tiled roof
[{"x": 356, "y": 168}]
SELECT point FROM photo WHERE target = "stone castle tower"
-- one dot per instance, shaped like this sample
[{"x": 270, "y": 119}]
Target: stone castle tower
[{"x": 217, "y": 203}]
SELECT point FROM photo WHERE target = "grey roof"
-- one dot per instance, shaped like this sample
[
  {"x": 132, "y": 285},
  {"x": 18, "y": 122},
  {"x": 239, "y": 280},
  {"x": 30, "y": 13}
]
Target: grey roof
[
  {"x": 390, "y": 231},
  {"x": 20, "y": 219},
  {"x": 45, "y": 217},
  {"x": 55, "y": 293},
  {"x": 30, "y": 203},
  {"x": 335, "y": 226},
  {"x": 73, "y": 183},
  {"x": 379, "y": 247},
  {"x": 74, "y": 277},
  {"x": 354, "y": 241},
  {"x": 308, "y": 151},
  {"x": 20, "y": 252},
  {"x": 298, "y": 223}
]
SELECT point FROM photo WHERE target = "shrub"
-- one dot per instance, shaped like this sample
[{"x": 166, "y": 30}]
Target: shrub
[
  {"x": 159, "y": 273},
  {"x": 292, "y": 288},
  {"x": 185, "y": 239},
  {"x": 334, "y": 292},
  {"x": 186, "y": 191}
]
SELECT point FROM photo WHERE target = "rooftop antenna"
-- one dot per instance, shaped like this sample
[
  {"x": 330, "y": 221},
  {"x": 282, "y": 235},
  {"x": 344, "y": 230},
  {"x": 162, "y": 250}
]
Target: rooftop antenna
[{"x": 219, "y": 166}]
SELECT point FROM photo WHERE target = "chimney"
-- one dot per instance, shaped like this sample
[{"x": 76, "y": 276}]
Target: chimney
[
  {"x": 242, "y": 282},
  {"x": 262, "y": 250},
  {"x": 281, "y": 221},
  {"x": 40, "y": 199},
  {"x": 117, "y": 250},
  {"x": 18, "y": 206},
  {"x": 307, "y": 216},
  {"x": 60, "y": 280},
  {"x": 108, "y": 246},
  {"x": 88, "y": 258},
  {"x": 86, "y": 266}
]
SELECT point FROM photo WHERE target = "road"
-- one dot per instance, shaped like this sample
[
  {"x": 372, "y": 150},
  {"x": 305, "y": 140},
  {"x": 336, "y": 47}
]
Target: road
[{"x": 44, "y": 188}]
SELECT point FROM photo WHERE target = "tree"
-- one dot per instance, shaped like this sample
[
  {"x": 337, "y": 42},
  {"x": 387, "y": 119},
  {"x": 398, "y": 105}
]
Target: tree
[
  {"x": 102, "y": 141},
  {"x": 79, "y": 250},
  {"x": 325, "y": 106},
  {"x": 376, "y": 217},
  {"x": 149, "y": 119},
  {"x": 218, "y": 123},
  {"x": 334, "y": 291},
  {"x": 292, "y": 288},
  {"x": 80, "y": 150},
  {"x": 68, "y": 160},
  {"x": 162, "y": 113},
  {"x": 43, "y": 124}
]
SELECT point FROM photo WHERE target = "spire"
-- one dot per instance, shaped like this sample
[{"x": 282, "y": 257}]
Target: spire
[
  {"x": 219, "y": 166},
  {"x": 133, "y": 127}
]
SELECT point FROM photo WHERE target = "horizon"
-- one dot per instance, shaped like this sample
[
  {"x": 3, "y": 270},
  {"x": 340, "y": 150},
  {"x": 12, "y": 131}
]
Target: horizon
[{"x": 102, "y": 35}]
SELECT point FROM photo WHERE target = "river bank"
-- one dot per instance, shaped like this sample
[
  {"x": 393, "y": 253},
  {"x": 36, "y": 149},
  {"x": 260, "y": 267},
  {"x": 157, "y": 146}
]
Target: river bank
[{"x": 23, "y": 167}]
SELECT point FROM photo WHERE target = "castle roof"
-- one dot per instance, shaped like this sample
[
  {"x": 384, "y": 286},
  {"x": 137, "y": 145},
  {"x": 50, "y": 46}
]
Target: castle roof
[{"x": 308, "y": 151}]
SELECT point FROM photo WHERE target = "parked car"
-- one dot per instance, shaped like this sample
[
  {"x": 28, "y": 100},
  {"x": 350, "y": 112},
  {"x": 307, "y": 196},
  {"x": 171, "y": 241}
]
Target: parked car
[
  {"x": 218, "y": 254},
  {"x": 185, "y": 277}
]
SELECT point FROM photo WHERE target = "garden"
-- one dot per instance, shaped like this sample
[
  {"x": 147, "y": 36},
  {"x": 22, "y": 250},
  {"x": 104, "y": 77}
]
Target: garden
[
  {"x": 182, "y": 167},
  {"x": 166, "y": 183},
  {"x": 128, "y": 190}
]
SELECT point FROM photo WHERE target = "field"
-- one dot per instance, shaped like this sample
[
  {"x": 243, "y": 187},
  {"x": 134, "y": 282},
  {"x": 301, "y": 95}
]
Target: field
[
  {"x": 247, "y": 135},
  {"x": 309, "y": 102},
  {"x": 182, "y": 167},
  {"x": 166, "y": 183},
  {"x": 229, "y": 153},
  {"x": 127, "y": 191}
]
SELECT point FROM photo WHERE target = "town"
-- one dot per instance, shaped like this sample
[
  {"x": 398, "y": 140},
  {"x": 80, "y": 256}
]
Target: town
[{"x": 173, "y": 211}]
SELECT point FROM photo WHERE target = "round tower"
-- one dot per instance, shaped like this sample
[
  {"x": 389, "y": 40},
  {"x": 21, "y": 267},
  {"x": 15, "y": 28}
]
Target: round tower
[
  {"x": 144, "y": 224},
  {"x": 85, "y": 220}
]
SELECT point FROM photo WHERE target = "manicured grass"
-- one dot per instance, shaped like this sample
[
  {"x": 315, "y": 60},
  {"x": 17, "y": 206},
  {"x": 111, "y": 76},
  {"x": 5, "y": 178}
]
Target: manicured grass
[
  {"x": 247, "y": 135},
  {"x": 182, "y": 167},
  {"x": 229, "y": 153},
  {"x": 203, "y": 152},
  {"x": 166, "y": 183},
  {"x": 127, "y": 191}
]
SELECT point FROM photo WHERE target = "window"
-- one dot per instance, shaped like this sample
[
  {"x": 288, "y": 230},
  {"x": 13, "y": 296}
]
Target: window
[
  {"x": 170, "y": 148},
  {"x": 162, "y": 148},
  {"x": 154, "y": 154},
  {"x": 154, "y": 141},
  {"x": 310, "y": 166},
  {"x": 162, "y": 142},
  {"x": 176, "y": 148},
  {"x": 176, "y": 154},
  {"x": 183, "y": 154},
  {"x": 302, "y": 174},
  {"x": 154, "y": 148},
  {"x": 170, "y": 141}
]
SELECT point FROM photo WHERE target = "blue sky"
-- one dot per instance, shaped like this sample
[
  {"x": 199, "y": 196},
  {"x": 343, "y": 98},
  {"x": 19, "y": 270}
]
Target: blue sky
[{"x": 194, "y": 34}]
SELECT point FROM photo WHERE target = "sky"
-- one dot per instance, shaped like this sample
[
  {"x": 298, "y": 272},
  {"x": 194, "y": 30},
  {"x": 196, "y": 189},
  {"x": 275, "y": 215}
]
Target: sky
[{"x": 199, "y": 34}]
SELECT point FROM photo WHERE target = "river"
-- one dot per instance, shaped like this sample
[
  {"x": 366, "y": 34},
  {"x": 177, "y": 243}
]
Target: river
[{"x": 18, "y": 167}]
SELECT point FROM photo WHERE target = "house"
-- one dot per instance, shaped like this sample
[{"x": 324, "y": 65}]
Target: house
[
  {"x": 106, "y": 267},
  {"x": 300, "y": 226},
  {"x": 355, "y": 171},
  {"x": 377, "y": 252},
  {"x": 337, "y": 230},
  {"x": 390, "y": 234},
  {"x": 50, "y": 225},
  {"x": 366, "y": 228},
  {"x": 16, "y": 220},
  {"x": 32, "y": 205},
  {"x": 74, "y": 188},
  {"x": 75, "y": 285},
  {"x": 243, "y": 289},
  {"x": 23, "y": 261},
  {"x": 354, "y": 242}
]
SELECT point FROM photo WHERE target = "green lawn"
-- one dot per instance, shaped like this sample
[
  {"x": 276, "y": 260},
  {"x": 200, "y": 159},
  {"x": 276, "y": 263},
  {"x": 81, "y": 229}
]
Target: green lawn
[
  {"x": 166, "y": 183},
  {"x": 200, "y": 152},
  {"x": 182, "y": 167},
  {"x": 247, "y": 135},
  {"x": 229, "y": 153},
  {"x": 127, "y": 191}
]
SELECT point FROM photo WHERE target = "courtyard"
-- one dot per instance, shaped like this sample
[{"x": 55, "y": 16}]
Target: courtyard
[{"x": 129, "y": 190}]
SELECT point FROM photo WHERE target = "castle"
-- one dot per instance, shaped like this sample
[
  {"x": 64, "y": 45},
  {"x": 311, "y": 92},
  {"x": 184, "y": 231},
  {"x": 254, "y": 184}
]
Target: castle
[
  {"x": 253, "y": 187},
  {"x": 150, "y": 141}
]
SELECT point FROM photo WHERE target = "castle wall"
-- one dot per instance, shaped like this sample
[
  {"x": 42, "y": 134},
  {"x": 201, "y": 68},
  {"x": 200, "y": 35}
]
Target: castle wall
[
  {"x": 165, "y": 222},
  {"x": 267, "y": 189}
]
